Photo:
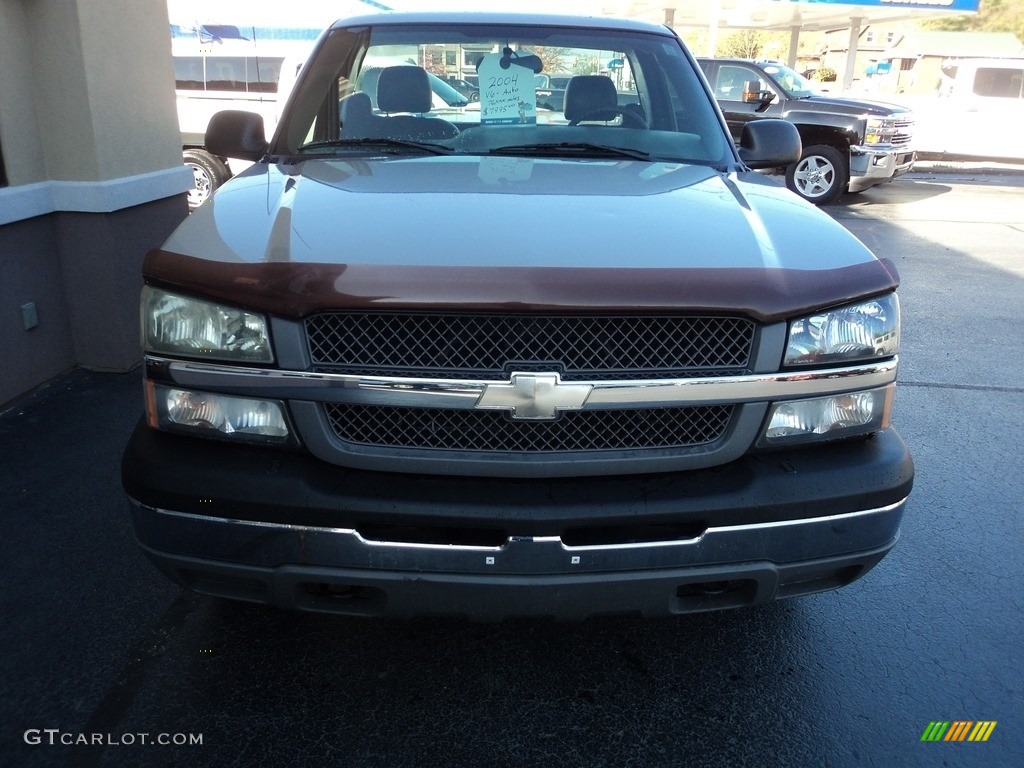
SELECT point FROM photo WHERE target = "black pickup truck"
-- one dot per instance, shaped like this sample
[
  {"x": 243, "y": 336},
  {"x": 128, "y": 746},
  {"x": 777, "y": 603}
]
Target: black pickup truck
[{"x": 848, "y": 145}]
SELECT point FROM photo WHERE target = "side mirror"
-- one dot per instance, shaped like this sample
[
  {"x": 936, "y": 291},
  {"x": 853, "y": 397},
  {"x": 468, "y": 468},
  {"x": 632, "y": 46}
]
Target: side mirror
[
  {"x": 769, "y": 143},
  {"x": 752, "y": 94},
  {"x": 237, "y": 134}
]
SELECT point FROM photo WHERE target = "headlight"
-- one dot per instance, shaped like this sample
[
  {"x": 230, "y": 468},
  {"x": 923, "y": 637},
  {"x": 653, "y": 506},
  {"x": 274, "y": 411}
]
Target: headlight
[
  {"x": 828, "y": 418},
  {"x": 213, "y": 415},
  {"x": 880, "y": 130},
  {"x": 179, "y": 325},
  {"x": 865, "y": 331}
]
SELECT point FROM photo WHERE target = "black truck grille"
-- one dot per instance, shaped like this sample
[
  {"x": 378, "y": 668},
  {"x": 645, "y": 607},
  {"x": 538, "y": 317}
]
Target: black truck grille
[
  {"x": 493, "y": 431},
  {"x": 490, "y": 346},
  {"x": 904, "y": 132}
]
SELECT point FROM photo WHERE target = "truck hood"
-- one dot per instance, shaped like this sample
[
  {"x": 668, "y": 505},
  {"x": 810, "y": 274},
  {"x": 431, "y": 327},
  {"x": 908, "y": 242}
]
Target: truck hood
[
  {"x": 848, "y": 106},
  {"x": 506, "y": 233}
]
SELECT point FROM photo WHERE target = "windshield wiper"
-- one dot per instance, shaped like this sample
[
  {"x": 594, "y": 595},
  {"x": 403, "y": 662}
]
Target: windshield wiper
[
  {"x": 579, "y": 149},
  {"x": 384, "y": 143}
]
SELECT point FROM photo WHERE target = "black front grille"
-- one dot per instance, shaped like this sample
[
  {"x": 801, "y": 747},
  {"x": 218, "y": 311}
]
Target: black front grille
[
  {"x": 490, "y": 346},
  {"x": 904, "y": 132},
  {"x": 494, "y": 431}
]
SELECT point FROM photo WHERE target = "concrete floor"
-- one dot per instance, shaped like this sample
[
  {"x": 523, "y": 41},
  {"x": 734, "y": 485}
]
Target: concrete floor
[{"x": 95, "y": 641}]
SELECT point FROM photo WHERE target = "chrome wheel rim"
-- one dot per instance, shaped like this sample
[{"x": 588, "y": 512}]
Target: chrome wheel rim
[
  {"x": 201, "y": 189},
  {"x": 815, "y": 176}
]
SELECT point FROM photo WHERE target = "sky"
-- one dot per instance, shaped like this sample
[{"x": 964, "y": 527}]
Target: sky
[{"x": 320, "y": 13}]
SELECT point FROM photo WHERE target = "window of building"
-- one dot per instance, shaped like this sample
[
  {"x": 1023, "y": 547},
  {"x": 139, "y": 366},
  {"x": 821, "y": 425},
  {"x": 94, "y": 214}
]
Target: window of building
[{"x": 1001, "y": 83}]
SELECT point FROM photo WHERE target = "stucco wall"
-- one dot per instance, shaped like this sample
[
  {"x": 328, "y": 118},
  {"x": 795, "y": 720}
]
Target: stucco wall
[
  {"x": 92, "y": 152},
  {"x": 98, "y": 78},
  {"x": 19, "y": 127},
  {"x": 135, "y": 81},
  {"x": 30, "y": 271}
]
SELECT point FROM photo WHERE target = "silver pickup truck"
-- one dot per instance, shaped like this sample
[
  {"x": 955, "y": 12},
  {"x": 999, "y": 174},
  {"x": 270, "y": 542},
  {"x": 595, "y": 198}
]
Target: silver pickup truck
[{"x": 679, "y": 400}]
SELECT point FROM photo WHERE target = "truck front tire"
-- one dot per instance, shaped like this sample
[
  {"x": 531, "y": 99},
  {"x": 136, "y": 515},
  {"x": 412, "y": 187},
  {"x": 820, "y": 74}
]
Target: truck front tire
[
  {"x": 209, "y": 171},
  {"x": 820, "y": 175}
]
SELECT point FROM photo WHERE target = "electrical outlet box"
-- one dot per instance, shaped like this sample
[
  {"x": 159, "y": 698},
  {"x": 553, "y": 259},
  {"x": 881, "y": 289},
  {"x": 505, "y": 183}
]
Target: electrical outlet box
[{"x": 29, "y": 316}]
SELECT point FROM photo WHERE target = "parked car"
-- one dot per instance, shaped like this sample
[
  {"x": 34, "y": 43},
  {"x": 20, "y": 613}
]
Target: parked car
[
  {"x": 467, "y": 89},
  {"x": 978, "y": 99},
  {"x": 848, "y": 145},
  {"x": 550, "y": 89},
  {"x": 679, "y": 402},
  {"x": 233, "y": 74}
]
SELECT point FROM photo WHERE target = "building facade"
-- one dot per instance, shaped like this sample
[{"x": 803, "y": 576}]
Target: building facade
[{"x": 91, "y": 179}]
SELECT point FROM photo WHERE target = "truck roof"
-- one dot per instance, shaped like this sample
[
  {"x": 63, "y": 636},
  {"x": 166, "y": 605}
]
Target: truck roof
[{"x": 483, "y": 18}]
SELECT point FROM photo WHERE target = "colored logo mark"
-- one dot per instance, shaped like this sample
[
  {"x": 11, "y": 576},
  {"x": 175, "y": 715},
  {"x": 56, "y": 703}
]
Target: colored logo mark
[{"x": 958, "y": 730}]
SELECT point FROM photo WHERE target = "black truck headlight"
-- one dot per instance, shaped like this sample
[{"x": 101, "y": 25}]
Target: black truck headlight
[
  {"x": 869, "y": 330},
  {"x": 880, "y": 130},
  {"x": 184, "y": 326},
  {"x": 828, "y": 418},
  {"x": 209, "y": 414}
]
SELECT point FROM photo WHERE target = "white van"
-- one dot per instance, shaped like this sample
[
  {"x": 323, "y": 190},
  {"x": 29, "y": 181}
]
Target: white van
[
  {"x": 980, "y": 82},
  {"x": 214, "y": 73},
  {"x": 977, "y": 113}
]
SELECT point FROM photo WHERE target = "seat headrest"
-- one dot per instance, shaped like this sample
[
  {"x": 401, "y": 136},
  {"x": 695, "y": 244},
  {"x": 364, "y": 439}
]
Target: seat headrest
[
  {"x": 587, "y": 94},
  {"x": 403, "y": 89},
  {"x": 356, "y": 114}
]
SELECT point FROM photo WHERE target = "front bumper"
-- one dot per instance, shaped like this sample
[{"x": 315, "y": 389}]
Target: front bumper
[
  {"x": 286, "y": 529},
  {"x": 870, "y": 167}
]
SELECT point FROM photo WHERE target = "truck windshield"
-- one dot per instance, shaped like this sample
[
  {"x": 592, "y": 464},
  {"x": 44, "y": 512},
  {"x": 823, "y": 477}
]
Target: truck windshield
[
  {"x": 793, "y": 83},
  {"x": 632, "y": 91}
]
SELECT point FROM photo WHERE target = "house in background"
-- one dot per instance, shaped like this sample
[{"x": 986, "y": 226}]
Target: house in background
[
  {"x": 916, "y": 61},
  {"x": 898, "y": 58},
  {"x": 872, "y": 43}
]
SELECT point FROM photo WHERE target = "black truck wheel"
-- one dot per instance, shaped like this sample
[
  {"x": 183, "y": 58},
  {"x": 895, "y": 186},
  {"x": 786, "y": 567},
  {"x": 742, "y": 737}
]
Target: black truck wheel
[
  {"x": 820, "y": 175},
  {"x": 209, "y": 174}
]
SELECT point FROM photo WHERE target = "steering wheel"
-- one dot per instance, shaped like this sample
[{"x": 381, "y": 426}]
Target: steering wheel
[{"x": 630, "y": 118}]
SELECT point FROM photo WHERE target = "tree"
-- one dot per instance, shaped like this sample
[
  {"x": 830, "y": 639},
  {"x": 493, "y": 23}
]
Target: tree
[
  {"x": 744, "y": 44},
  {"x": 754, "y": 44},
  {"x": 992, "y": 16},
  {"x": 586, "y": 65},
  {"x": 554, "y": 58}
]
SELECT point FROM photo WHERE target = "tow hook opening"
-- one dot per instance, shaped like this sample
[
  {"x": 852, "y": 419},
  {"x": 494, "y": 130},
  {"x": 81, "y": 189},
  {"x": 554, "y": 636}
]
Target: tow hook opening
[
  {"x": 352, "y": 599},
  {"x": 712, "y": 595}
]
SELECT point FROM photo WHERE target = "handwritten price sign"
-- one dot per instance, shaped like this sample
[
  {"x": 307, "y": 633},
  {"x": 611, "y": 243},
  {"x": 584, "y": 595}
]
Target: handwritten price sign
[{"x": 506, "y": 94}]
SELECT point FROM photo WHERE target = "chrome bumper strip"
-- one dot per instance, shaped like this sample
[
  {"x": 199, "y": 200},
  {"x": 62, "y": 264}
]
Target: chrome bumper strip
[
  {"x": 270, "y": 544},
  {"x": 472, "y": 393}
]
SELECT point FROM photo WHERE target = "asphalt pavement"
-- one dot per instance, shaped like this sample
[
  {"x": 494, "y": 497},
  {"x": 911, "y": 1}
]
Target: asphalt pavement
[{"x": 97, "y": 645}]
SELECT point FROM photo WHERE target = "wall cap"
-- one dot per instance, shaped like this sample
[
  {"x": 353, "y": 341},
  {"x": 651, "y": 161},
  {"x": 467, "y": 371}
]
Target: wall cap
[{"x": 26, "y": 201}]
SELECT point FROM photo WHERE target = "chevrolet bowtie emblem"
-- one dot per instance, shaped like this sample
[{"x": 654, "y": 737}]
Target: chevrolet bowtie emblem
[{"x": 534, "y": 396}]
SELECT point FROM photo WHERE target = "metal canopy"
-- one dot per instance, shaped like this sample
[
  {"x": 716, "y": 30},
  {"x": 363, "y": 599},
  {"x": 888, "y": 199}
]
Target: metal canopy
[
  {"x": 794, "y": 16},
  {"x": 810, "y": 15}
]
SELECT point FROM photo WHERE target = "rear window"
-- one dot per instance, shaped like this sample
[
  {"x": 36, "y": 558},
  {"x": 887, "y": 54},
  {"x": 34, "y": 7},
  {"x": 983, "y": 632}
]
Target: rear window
[{"x": 999, "y": 82}]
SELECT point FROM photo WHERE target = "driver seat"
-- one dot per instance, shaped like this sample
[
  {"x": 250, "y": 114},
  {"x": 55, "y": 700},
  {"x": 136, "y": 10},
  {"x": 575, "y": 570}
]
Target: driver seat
[{"x": 590, "y": 97}]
